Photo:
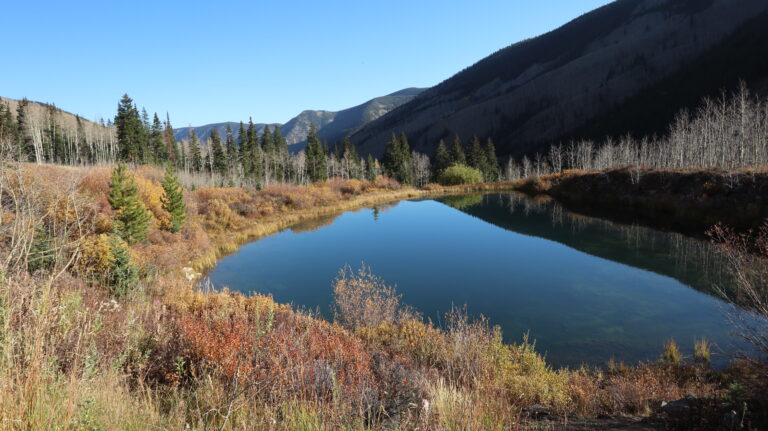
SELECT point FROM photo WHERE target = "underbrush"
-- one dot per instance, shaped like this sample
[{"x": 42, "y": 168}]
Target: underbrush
[{"x": 166, "y": 354}]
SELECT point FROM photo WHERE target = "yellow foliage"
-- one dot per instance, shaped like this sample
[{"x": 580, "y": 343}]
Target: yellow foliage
[
  {"x": 95, "y": 255},
  {"x": 151, "y": 194}
]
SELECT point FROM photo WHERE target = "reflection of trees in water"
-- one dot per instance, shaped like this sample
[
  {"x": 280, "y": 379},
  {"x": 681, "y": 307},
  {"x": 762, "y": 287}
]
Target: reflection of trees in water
[{"x": 692, "y": 261}]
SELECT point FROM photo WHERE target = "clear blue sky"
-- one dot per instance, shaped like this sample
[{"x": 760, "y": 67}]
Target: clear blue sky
[{"x": 214, "y": 61}]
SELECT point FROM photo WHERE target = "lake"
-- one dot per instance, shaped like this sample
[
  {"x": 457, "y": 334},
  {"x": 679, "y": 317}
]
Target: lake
[{"x": 585, "y": 289}]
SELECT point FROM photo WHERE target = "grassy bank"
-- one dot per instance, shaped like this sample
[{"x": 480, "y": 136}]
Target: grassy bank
[{"x": 167, "y": 355}]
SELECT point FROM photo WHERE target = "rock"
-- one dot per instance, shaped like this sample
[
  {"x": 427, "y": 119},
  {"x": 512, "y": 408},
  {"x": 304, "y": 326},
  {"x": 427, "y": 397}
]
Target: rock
[
  {"x": 537, "y": 411},
  {"x": 678, "y": 407}
]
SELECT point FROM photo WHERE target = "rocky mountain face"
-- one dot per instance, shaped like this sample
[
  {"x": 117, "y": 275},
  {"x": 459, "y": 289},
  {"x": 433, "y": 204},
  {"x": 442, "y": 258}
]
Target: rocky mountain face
[
  {"x": 331, "y": 126},
  {"x": 554, "y": 86}
]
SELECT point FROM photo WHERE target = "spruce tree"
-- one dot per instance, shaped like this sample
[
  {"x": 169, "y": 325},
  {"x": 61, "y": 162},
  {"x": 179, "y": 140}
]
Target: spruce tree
[
  {"x": 129, "y": 130},
  {"x": 492, "y": 161},
  {"x": 253, "y": 158},
  {"x": 194, "y": 150},
  {"x": 26, "y": 142},
  {"x": 131, "y": 216},
  {"x": 231, "y": 150},
  {"x": 390, "y": 161},
  {"x": 173, "y": 199},
  {"x": 41, "y": 252},
  {"x": 316, "y": 156},
  {"x": 124, "y": 275},
  {"x": 157, "y": 141},
  {"x": 218, "y": 157},
  {"x": 169, "y": 139},
  {"x": 370, "y": 173},
  {"x": 442, "y": 159},
  {"x": 458, "y": 156},
  {"x": 477, "y": 157}
]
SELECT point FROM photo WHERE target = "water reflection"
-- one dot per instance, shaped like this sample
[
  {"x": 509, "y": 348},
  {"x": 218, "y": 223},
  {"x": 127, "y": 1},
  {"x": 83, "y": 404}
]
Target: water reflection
[{"x": 586, "y": 289}]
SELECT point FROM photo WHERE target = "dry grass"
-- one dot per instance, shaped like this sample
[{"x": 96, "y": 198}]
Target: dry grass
[{"x": 172, "y": 356}]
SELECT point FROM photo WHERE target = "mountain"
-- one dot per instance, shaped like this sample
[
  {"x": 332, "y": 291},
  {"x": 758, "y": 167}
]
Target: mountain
[
  {"x": 331, "y": 126},
  {"x": 566, "y": 82}
]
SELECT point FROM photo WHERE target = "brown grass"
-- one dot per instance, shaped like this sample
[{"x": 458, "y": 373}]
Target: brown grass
[{"x": 173, "y": 356}]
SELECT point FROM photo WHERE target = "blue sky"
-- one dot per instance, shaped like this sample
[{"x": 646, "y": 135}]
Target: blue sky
[{"x": 207, "y": 62}]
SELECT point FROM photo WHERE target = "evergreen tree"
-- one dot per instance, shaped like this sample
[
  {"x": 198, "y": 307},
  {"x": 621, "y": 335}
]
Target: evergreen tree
[
  {"x": 124, "y": 275},
  {"x": 405, "y": 173},
  {"x": 351, "y": 159},
  {"x": 316, "y": 157},
  {"x": 254, "y": 157},
  {"x": 131, "y": 216},
  {"x": 492, "y": 161},
  {"x": 26, "y": 143},
  {"x": 9, "y": 136},
  {"x": 173, "y": 199},
  {"x": 477, "y": 157},
  {"x": 282, "y": 150},
  {"x": 218, "y": 157},
  {"x": 458, "y": 156},
  {"x": 232, "y": 153},
  {"x": 242, "y": 148},
  {"x": 157, "y": 141},
  {"x": 194, "y": 150},
  {"x": 389, "y": 161},
  {"x": 443, "y": 159},
  {"x": 41, "y": 253},
  {"x": 371, "y": 169},
  {"x": 169, "y": 139},
  {"x": 129, "y": 130}
]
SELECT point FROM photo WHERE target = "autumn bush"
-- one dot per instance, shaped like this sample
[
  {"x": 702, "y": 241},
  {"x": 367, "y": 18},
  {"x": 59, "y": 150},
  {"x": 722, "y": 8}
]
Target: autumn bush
[{"x": 172, "y": 354}]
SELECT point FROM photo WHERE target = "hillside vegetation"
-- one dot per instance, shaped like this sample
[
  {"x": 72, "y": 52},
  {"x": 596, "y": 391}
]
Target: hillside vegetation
[
  {"x": 76, "y": 353},
  {"x": 570, "y": 82}
]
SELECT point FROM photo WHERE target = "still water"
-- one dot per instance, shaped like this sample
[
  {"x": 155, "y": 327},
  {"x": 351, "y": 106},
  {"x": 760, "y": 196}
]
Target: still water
[{"x": 586, "y": 289}]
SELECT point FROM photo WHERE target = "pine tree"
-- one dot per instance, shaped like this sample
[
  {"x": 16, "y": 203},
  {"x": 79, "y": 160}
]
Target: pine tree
[
  {"x": 173, "y": 199},
  {"x": 145, "y": 143},
  {"x": 218, "y": 158},
  {"x": 458, "y": 156},
  {"x": 242, "y": 148},
  {"x": 231, "y": 150},
  {"x": 129, "y": 130},
  {"x": 253, "y": 157},
  {"x": 442, "y": 159},
  {"x": 371, "y": 169},
  {"x": 194, "y": 150},
  {"x": 316, "y": 157},
  {"x": 26, "y": 143},
  {"x": 389, "y": 161},
  {"x": 282, "y": 149},
  {"x": 131, "y": 216},
  {"x": 492, "y": 162},
  {"x": 157, "y": 141},
  {"x": 169, "y": 139},
  {"x": 351, "y": 159},
  {"x": 405, "y": 173},
  {"x": 477, "y": 157},
  {"x": 124, "y": 275},
  {"x": 41, "y": 254}
]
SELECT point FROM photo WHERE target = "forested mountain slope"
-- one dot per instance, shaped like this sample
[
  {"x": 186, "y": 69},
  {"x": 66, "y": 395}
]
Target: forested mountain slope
[
  {"x": 545, "y": 89},
  {"x": 331, "y": 126}
]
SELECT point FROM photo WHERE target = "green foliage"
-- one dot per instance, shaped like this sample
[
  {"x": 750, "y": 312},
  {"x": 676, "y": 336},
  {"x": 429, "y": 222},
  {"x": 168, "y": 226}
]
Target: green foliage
[
  {"x": 194, "y": 150},
  {"x": 173, "y": 199},
  {"x": 457, "y": 152},
  {"x": 129, "y": 130},
  {"x": 370, "y": 173},
  {"x": 219, "y": 162},
  {"x": 131, "y": 216},
  {"x": 443, "y": 160},
  {"x": 460, "y": 174},
  {"x": 252, "y": 159},
  {"x": 41, "y": 254},
  {"x": 397, "y": 160},
  {"x": 124, "y": 276},
  {"x": 492, "y": 162},
  {"x": 316, "y": 157},
  {"x": 157, "y": 141}
]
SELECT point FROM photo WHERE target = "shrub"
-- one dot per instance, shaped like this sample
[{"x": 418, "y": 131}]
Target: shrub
[
  {"x": 362, "y": 299},
  {"x": 460, "y": 174}
]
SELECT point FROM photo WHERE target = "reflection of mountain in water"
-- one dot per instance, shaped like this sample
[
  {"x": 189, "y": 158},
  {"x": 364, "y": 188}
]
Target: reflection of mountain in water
[{"x": 688, "y": 260}]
